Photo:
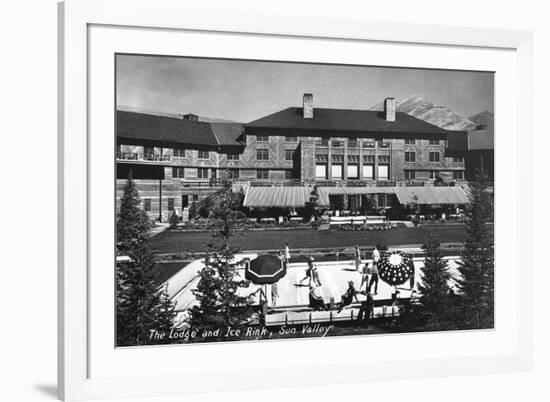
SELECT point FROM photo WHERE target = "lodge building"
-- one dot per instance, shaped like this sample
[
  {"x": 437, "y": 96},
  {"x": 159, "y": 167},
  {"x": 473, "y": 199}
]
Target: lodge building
[{"x": 178, "y": 161}]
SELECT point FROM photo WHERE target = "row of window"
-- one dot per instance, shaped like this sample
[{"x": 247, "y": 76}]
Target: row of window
[
  {"x": 337, "y": 172},
  {"x": 265, "y": 138},
  {"x": 202, "y": 173},
  {"x": 434, "y": 174},
  {"x": 410, "y": 156},
  {"x": 171, "y": 202},
  {"x": 354, "y": 143}
]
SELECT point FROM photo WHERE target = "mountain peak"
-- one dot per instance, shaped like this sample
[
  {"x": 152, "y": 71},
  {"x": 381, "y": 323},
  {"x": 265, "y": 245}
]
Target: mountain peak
[{"x": 419, "y": 106}]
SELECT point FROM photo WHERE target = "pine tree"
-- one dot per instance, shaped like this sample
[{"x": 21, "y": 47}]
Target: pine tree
[
  {"x": 133, "y": 224},
  {"x": 476, "y": 284},
  {"x": 141, "y": 306},
  {"x": 312, "y": 205},
  {"x": 435, "y": 300},
  {"x": 219, "y": 304}
]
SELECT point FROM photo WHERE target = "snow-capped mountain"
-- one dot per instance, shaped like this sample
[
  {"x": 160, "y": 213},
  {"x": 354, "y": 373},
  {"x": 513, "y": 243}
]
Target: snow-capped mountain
[{"x": 424, "y": 109}]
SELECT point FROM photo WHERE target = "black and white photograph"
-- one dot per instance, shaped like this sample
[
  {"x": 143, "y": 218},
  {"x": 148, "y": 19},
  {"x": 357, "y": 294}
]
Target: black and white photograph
[{"x": 270, "y": 200}]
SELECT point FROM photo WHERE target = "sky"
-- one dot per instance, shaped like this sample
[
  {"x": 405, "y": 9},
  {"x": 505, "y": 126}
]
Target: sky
[{"x": 243, "y": 91}]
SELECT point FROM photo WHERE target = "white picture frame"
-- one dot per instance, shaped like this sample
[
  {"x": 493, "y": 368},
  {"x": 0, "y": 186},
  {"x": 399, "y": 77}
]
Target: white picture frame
[{"x": 76, "y": 18}]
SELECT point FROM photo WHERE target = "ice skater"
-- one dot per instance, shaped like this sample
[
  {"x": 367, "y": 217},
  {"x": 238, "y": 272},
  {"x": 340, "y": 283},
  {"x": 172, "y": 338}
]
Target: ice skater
[
  {"x": 311, "y": 273},
  {"x": 367, "y": 269},
  {"x": 287, "y": 253},
  {"x": 274, "y": 294},
  {"x": 357, "y": 258},
  {"x": 374, "y": 278},
  {"x": 316, "y": 301},
  {"x": 347, "y": 298}
]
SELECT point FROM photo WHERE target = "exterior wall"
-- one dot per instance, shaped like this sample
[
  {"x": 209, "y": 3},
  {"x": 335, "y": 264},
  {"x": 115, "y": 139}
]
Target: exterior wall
[
  {"x": 309, "y": 151},
  {"x": 375, "y": 153},
  {"x": 171, "y": 189}
]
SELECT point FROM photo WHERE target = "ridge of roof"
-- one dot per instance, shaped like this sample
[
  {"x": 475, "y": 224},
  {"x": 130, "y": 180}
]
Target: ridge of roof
[{"x": 332, "y": 119}]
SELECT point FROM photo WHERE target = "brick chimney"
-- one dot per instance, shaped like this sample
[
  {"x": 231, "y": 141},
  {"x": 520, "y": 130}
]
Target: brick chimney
[
  {"x": 308, "y": 106},
  {"x": 389, "y": 109}
]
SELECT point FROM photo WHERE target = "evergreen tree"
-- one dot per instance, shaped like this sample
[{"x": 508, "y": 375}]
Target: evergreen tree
[
  {"x": 219, "y": 304},
  {"x": 476, "y": 284},
  {"x": 141, "y": 306},
  {"x": 312, "y": 205},
  {"x": 435, "y": 301},
  {"x": 133, "y": 224}
]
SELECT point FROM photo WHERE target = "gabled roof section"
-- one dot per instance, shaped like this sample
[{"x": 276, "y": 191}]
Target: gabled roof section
[
  {"x": 172, "y": 130},
  {"x": 346, "y": 120}
]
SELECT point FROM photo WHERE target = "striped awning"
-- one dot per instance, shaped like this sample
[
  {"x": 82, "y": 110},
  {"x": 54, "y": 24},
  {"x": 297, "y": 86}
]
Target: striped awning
[
  {"x": 431, "y": 195},
  {"x": 324, "y": 192},
  {"x": 283, "y": 196},
  {"x": 297, "y": 196}
]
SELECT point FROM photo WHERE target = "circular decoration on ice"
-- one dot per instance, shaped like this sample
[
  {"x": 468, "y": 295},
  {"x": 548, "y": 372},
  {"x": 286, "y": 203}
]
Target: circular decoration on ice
[{"x": 395, "y": 268}]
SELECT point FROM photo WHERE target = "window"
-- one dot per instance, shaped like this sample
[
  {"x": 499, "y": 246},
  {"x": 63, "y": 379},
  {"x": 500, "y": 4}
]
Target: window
[
  {"x": 202, "y": 173},
  {"x": 410, "y": 156},
  {"x": 148, "y": 153},
  {"x": 204, "y": 155},
  {"x": 262, "y": 154},
  {"x": 262, "y": 174},
  {"x": 233, "y": 157},
  {"x": 233, "y": 173},
  {"x": 383, "y": 172},
  {"x": 337, "y": 171},
  {"x": 434, "y": 156},
  {"x": 368, "y": 158},
  {"x": 323, "y": 142},
  {"x": 291, "y": 139},
  {"x": 288, "y": 175},
  {"x": 353, "y": 172},
  {"x": 383, "y": 144},
  {"x": 368, "y": 143},
  {"x": 321, "y": 158},
  {"x": 434, "y": 175},
  {"x": 179, "y": 152},
  {"x": 368, "y": 172},
  {"x": 289, "y": 154},
  {"x": 410, "y": 141},
  {"x": 195, "y": 197},
  {"x": 337, "y": 143},
  {"x": 458, "y": 159},
  {"x": 410, "y": 175},
  {"x": 381, "y": 200},
  {"x": 147, "y": 204},
  {"x": 434, "y": 142},
  {"x": 262, "y": 138},
  {"x": 352, "y": 143},
  {"x": 321, "y": 171},
  {"x": 178, "y": 173},
  {"x": 458, "y": 174},
  {"x": 170, "y": 204}
]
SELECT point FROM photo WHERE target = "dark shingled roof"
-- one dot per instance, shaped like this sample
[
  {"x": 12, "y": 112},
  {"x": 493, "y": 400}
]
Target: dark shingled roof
[
  {"x": 346, "y": 120},
  {"x": 172, "y": 130}
]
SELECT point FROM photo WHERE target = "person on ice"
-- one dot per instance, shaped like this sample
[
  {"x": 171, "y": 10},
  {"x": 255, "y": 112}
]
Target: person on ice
[
  {"x": 316, "y": 301},
  {"x": 347, "y": 298},
  {"x": 287, "y": 253},
  {"x": 311, "y": 273},
  {"x": 357, "y": 258}
]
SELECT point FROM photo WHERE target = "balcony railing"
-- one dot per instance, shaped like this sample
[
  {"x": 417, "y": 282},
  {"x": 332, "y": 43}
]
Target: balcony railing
[{"x": 136, "y": 156}]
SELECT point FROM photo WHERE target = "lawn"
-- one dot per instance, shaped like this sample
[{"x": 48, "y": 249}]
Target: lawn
[{"x": 181, "y": 241}]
